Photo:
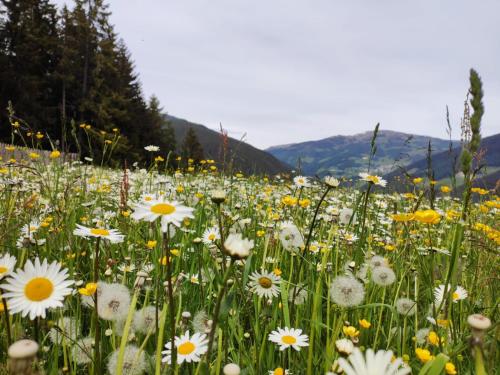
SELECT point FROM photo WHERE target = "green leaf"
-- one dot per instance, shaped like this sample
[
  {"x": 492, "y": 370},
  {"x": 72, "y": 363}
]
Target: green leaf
[{"x": 436, "y": 366}]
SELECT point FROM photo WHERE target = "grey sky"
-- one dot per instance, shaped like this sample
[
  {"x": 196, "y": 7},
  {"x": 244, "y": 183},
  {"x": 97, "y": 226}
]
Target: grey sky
[{"x": 286, "y": 71}]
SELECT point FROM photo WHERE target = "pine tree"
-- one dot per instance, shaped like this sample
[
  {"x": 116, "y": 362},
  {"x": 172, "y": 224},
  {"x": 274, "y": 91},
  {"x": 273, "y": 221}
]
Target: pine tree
[
  {"x": 30, "y": 54},
  {"x": 191, "y": 148}
]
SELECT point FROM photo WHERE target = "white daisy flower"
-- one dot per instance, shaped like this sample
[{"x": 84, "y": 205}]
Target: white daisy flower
[
  {"x": 440, "y": 293},
  {"x": 189, "y": 349},
  {"x": 7, "y": 264},
  {"x": 376, "y": 180},
  {"x": 210, "y": 235},
  {"x": 38, "y": 287},
  {"x": 279, "y": 371},
  {"x": 289, "y": 337},
  {"x": 170, "y": 212},
  {"x": 112, "y": 235},
  {"x": 301, "y": 181},
  {"x": 152, "y": 148},
  {"x": 379, "y": 363},
  {"x": 264, "y": 284}
]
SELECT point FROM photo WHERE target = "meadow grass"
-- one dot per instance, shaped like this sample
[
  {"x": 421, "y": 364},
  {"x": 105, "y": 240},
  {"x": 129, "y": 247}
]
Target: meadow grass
[{"x": 351, "y": 265}]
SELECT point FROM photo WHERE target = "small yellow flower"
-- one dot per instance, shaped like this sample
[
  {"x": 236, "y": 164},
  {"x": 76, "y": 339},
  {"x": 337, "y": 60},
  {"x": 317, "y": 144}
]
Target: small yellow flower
[
  {"x": 151, "y": 244},
  {"x": 10, "y": 148},
  {"x": 427, "y": 217},
  {"x": 304, "y": 203},
  {"x": 403, "y": 217},
  {"x": 365, "y": 323},
  {"x": 350, "y": 331},
  {"x": 417, "y": 180},
  {"x": 423, "y": 355},
  {"x": 277, "y": 271},
  {"x": 126, "y": 213},
  {"x": 175, "y": 252},
  {"x": 445, "y": 189},
  {"x": 55, "y": 154},
  {"x": 89, "y": 290},
  {"x": 159, "y": 159},
  {"x": 33, "y": 155},
  {"x": 450, "y": 368},
  {"x": 479, "y": 191},
  {"x": 433, "y": 338},
  {"x": 389, "y": 247},
  {"x": 261, "y": 233}
]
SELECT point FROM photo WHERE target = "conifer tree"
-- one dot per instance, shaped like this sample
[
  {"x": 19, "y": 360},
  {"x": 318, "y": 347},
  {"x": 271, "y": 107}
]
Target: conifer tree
[{"x": 191, "y": 147}]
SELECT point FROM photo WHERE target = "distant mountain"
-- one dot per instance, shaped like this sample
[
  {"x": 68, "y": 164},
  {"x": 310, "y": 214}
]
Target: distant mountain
[
  {"x": 442, "y": 163},
  {"x": 348, "y": 155},
  {"x": 247, "y": 158}
]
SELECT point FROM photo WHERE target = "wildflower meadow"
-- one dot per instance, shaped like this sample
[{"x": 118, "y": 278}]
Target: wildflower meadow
[{"x": 150, "y": 269}]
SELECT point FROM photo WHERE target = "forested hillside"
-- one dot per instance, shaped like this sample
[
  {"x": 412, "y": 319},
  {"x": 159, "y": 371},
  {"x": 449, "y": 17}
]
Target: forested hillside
[{"x": 67, "y": 81}]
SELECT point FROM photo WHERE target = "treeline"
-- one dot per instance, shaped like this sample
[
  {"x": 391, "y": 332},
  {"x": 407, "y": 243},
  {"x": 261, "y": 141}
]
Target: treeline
[{"x": 68, "y": 76}]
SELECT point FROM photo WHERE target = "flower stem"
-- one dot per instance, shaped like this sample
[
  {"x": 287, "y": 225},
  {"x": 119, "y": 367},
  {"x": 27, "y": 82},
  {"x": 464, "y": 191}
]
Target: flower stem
[
  {"x": 217, "y": 310},
  {"x": 7, "y": 318},
  {"x": 97, "y": 331}
]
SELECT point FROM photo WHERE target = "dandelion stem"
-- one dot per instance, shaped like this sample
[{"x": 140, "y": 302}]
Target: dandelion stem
[
  {"x": 170, "y": 293},
  {"x": 7, "y": 318},
  {"x": 97, "y": 331},
  {"x": 217, "y": 310}
]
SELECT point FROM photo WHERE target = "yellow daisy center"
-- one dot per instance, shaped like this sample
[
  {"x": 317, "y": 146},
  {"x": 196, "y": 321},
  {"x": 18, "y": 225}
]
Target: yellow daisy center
[
  {"x": 265, "y": 282},
  {"x": 186, "y": 348},
  {"x": 211, "y": 236},
  {"x": 38, "y": 289},
  {"x": 163, "y": 209},
  {"x": 373, "y": 179},
  {"x": 99, "y": 232},
  {"x": 278, "y": 371},
  {"x": 3, "y": 269},
  {"x": 147, "y": 199},
  {"x": 290, "y": 340},
  {"x": 454, "y": 295}
]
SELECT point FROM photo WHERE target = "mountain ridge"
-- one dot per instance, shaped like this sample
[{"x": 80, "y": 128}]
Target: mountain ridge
[
  {"x": 348, "y": 155},
  {"x": 246, "y": 158}
]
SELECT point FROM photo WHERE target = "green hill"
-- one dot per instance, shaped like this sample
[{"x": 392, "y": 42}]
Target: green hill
[
  {"x": 246, "y": 158},
  {"x": 442, "y": 165}
]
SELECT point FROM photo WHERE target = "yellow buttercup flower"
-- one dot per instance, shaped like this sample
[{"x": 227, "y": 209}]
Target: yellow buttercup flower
[
  {"x": 450, "y": 368},
  {"x": 89, "y": 290},
  {"x": 151, "y": 244},
  {"x": 445, "y": 189},
  {"x": 433, "y": 338},
  {"x": 55, "y": 154},
  {"x": 365, "y": 323},
  {"x": 423, "y": 355},
  {"x": 350, "y": 331},
  {"x": 427, "y": 217}
]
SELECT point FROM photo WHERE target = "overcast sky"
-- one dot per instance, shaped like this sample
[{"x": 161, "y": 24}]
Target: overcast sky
[{"x": 286, "y": 71}]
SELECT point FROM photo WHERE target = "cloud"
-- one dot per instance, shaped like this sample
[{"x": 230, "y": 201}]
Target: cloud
[{"x": 289, "y": 71}]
